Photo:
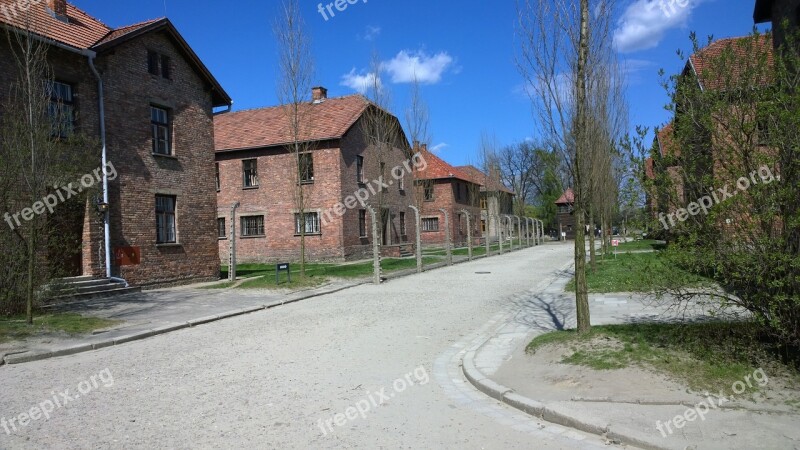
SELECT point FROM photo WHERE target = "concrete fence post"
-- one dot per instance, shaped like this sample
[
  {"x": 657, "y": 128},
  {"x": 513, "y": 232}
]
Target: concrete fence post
[
  {"x": 232, "y": 245},
  {"x": 500, "y": 232},
  {"x": 519, "y": 232},
  {"x": 485, "y": 234},
  {"x": 419, "y": 238},
  {"x": 469, "y": 233},
  {"x": 528, "y": 231},
  {"x": 376, "y": 247},
  {"x": 448, "y": 244}
]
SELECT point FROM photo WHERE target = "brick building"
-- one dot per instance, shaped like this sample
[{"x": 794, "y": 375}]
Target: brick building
[
  {"x": 442, "y": 186},
  {"x": 158, "y": 100},
  {"x": 564, "y": 214},
  {"x": 495, "y": 200},
  {"x": 257, "y": 168}
]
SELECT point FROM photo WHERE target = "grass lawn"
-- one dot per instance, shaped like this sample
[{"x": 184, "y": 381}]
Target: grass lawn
[
  {"x": 14, "y": 327},
  {"x": 647, "y": 244},
  {"x": 635, "y": 272},
  {"x": 708, "y": 356},
  {"x": 263, "y": 275}
]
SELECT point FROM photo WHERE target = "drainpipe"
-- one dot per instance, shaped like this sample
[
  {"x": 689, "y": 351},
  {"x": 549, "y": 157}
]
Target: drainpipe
[{"x": 104, "y": 161}]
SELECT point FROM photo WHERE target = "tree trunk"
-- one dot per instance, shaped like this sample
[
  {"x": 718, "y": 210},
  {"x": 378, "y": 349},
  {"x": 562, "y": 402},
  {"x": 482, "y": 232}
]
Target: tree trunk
[
  {"x": 592, "y": 252},
  {"x": 581, "y": 291}
]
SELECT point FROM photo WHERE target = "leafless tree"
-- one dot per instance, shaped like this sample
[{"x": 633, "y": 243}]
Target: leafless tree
[
  {"x": 563, "y": 51},
  {"x": 296, "y": 72}
]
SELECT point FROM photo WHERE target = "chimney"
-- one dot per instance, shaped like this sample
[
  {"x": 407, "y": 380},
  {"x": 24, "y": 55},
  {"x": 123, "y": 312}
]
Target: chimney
[
  {"x": 319, "y": 94},
  {"x": 58, "y": 7}
]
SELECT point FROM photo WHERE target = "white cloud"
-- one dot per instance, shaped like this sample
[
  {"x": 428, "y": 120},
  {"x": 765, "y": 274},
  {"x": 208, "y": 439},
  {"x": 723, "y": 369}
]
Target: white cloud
[
  {"x": 371, "y": 33},
  {"x": 407, "y": 66},
  {"x": 439, "y": 147},
  {"x": 645, "y": 22},
  {"x": 360, "y": 82}
]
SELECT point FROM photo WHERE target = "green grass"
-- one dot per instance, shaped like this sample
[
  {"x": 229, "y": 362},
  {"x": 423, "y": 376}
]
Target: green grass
[
  {"x": 12, "y": 328},
  {"x": 635, "y": 272},
  {"x": 709, "y": 356},
  {"x": 647, "y": 244},
  {"x": 262, "y": 276}
]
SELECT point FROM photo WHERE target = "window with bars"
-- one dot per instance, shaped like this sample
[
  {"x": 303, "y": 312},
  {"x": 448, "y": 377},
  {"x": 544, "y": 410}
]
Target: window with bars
[
  {"x": 166, "y": 232},
  {"x": 159, "y": 122},
  {"x": 311, "y": 223},
  {"x": 250, "y": 173},
  {"x": 61, "y": 110},
  {"x": 306, "y": 168},
  {"x": 362, "y": 223},
  {"x": 360, "y": 169},
  {"x": 222, "y": 232},
  {"x": 430, "y": 224},
  {"x": 252, "y": 226}
]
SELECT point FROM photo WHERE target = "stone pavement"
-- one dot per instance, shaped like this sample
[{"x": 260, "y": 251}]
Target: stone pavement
[{"x": 496, "y": 365}]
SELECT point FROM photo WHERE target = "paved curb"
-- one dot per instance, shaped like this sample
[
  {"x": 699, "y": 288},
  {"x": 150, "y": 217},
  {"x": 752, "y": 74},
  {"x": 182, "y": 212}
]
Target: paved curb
[
  {"x": 541, "y": 410},
  {"x": 25, "y": 357}
]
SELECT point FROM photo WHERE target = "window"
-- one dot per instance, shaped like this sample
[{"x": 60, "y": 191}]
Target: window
[
  {"x": 428, "y": 190},
  {"x": 563, "y": 209},
  {"x": 401, "y": 183},
  {"x": 158, "y": 64},
  {"x": 484, "y": 204},
  {"x": 362, "y": 223},
  {"x": 165, "y": 68},
  {"x": 221, "y": 230},
  {"x": 61, "y": 109},
  {"x": 311, "y": 223},
  {"x": 483, "y": 225},
  {"x": 430, "y": 224},
  {"x": 152, "y": 63},
  {"x": 159, "y": 120},
  {"x": 252, "y": 226},
  {"x": 360, "y": 169},
  {"x": 765, "y": 138},
  {"x": 403, "y": 224},
  {"x": 250, "y": 173},
  {"x": 216, "y": 175},
  {"x": 306, "y": 168},
  {"x": 165, "y": 220}
]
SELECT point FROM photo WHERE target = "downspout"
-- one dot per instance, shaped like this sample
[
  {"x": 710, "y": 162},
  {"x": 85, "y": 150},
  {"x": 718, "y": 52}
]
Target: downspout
[{"x": 104, "y": 161}]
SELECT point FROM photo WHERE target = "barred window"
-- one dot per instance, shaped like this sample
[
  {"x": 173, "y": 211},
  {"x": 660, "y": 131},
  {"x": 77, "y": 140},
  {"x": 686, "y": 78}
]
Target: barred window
[
  {"x": 222, "y": 232},
  {"x": 250, "y": 173},
  {"x": 311, "y": 223},
  {"x": 306, "y": 168},
  {"x": 252, "y": 226},
  {"x": 430, "y": 224}
]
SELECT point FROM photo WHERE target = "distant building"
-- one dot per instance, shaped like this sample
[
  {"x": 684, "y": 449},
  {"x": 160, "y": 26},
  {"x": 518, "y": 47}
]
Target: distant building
[
  {"x": 495, "y": 200},
  {"x": 564, "y": 214}
]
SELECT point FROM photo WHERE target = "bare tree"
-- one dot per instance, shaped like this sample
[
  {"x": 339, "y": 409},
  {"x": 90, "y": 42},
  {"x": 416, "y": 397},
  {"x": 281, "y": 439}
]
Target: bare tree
[
  {"x": 562, "y": 52},
  {"x": 296, "y": 71},
  {"x": 39, "y": 151}
]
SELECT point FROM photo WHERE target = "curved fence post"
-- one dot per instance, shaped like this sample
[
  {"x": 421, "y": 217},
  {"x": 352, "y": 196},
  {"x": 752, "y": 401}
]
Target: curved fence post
[
  {"x": 469, "y": 233},
  {"x": 528, "y": 231},
  {"x": 519, "y": 233},
  {"x": 486, "y": 234},
  {"x": 376, "y": 247},
  {"x": 419, "y": 238},
  {"x": 500, "y": 232},
  {"x": 448, "y": 240},
  {"x": 232, "y": 245}
]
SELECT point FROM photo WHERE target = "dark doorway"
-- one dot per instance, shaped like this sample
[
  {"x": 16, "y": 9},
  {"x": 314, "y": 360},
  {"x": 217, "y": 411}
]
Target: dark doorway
[{"x": 65, "y": 239}]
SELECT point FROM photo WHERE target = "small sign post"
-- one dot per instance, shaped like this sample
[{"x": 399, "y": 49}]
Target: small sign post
[
  {"x": 282, "y": 267},
  {"x": 615, "y": 244}
]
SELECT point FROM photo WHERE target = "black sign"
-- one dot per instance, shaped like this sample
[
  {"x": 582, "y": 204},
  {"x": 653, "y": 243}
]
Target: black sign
[{"x": 282, "y": 267}]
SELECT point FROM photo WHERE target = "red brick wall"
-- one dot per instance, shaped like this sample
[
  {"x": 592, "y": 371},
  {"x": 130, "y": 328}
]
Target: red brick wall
[{"x": 444, "y": 197}]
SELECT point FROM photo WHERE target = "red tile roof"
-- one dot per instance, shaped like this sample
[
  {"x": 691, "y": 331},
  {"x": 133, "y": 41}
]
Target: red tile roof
[
  {"x": 567, "y": 198},
  {"x": 742, "y": 63},
  {"x": 438, "y": 169},
  {"x": 480, "y": 178},
  {"x": 269, "y": 127},
  {"x": 666, "y": 141},
  {"x": 120, "y": 32}
]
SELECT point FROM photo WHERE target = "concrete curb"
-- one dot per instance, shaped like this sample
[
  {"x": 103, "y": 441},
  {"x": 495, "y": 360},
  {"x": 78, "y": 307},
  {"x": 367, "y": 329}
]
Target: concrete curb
[
  {"x": 541, "y": 410},
  {"x": 25, "y": 357}
]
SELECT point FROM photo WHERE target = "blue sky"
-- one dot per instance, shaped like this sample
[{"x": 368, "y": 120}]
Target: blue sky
[{"x": 464, "y": 50}]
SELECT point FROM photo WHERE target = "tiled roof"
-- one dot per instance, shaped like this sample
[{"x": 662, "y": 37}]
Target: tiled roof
[
  {"x": 438, "y": 169},
  {"x": 268, "y": 127},
  {"x": 666, "y": 141},
  {"x": 480, "y": 178},
  {"x": 81, "y": 31},
  {"x": 744, "y": 62},
  {"x": 567, "y": 198},
  {"x": 120, "y": 32}
]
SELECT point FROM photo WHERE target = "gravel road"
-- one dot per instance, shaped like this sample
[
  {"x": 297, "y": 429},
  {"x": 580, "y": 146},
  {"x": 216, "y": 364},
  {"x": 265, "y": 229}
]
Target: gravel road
[{"x": 290, "y": 377}]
